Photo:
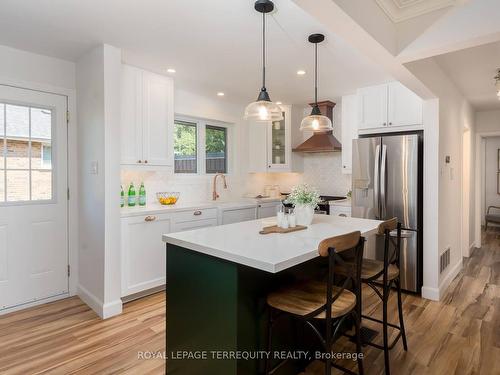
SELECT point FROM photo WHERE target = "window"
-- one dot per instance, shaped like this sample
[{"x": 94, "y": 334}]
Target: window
[
  {"x": 200, "y": 147},
  {"x": 185, "y": 147},
  {"x": 25, "y": 153},
  {"x": 215, "y": 147}
]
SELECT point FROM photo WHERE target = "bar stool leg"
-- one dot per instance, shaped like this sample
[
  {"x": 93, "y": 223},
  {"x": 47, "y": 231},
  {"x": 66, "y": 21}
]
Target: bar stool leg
[
  {"x": 400, "y": 310},
  {"x": 269, "y": 342},
  {"x": 386, "y": 339},
  {"x": 357, "y": 324}
]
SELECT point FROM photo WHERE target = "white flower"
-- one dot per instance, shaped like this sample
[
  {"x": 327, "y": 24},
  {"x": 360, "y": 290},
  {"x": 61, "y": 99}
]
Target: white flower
[{"x": 304, "y": 194}]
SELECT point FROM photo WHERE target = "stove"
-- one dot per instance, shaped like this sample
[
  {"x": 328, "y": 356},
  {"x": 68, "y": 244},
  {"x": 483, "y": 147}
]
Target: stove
[{"x": 324, "y": 205}]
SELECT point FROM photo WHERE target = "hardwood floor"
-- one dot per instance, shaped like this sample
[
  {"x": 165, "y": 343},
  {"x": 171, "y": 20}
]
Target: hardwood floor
[{"x": 460, "y": 335}]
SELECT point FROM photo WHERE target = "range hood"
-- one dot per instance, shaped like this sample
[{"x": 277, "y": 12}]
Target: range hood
[{"x": 321, "y": 141}]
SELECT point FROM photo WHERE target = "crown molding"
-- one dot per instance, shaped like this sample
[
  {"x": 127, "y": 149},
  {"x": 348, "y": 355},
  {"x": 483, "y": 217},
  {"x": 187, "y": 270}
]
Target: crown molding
[{"x": 402, "y": 10}]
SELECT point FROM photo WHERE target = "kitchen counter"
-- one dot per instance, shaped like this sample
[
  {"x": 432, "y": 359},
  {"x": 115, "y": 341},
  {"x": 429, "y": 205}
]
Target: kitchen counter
[
  {"x": 241, "y": 242},
  {"x": 218, "y": 280},
  {"x": 156, "y": 208},
  {"x": 342, "y": 202}
]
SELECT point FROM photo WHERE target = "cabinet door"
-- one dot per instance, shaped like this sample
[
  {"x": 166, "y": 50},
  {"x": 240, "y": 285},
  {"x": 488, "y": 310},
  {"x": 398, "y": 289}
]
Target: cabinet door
[
  {"x": 279, "y": 143},
  {"x": 372, "y": 107},
  {"x": 349, "y": 130},
  {"x": 143, "y": 252},
  {"x": 404, "y": 107},
  {"x": 239, "y": 215},
  {"x": 267, "y": 209},
  {"x": 131, "y": 115},
  {"x": 158, "y": 119},
  {"x": 257, "y": 147}
]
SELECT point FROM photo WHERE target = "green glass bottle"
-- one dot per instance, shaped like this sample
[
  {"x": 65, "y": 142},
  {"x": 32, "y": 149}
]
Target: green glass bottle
[
  {"x": 131, "y": 195},
  {"x": 122, "y": 197},
  {"x": 142, "y": 195}
]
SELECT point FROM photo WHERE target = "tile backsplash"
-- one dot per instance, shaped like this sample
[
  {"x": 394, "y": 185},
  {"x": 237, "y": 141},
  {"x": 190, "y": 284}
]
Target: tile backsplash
[{"x": 321, "y": 170}]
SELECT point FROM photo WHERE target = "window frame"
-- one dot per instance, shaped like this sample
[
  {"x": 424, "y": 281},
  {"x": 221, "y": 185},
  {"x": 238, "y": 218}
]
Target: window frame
[
  {"x": 53, "y": 141},
  {"x": 201, "y": 126}
]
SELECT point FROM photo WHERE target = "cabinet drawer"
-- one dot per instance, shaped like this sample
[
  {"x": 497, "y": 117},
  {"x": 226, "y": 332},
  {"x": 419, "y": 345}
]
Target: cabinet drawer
[
  {"x": 190, "y": 215},
  {"x": 340, "y": 211},
  {"x": 195, "y": 224},
  {"x": 238, "y": 215}
]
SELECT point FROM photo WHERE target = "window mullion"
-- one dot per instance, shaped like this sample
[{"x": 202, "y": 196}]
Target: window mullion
[
  {"x": 29, "y": 152},
  {"x": 201, "y": 147},
  {"x": 5, "y": 152}
]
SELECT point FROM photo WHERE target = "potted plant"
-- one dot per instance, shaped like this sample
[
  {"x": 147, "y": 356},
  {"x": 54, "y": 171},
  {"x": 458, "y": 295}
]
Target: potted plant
[{"x": 304, "y": 199}]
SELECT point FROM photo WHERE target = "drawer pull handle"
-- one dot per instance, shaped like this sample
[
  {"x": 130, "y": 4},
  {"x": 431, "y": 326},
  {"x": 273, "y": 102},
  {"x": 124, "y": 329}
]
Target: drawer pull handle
[
  {"x": 343, "y": 215},
  {"x": 150, "y": 218},
  {"x": 197, "y": 213}
]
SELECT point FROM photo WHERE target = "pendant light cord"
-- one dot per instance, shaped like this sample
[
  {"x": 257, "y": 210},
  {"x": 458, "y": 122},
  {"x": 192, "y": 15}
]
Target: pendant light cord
[
  {"x": 316, "y": 74},
  {"x": 263, "y": 50}
]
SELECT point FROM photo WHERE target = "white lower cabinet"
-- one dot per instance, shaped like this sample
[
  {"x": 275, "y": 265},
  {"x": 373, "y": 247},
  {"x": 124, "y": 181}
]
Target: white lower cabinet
[
  {"x": 143, "y": 252},
  {"x": 237, "y": 215},
  {"x": 267, "y": 209},
  {"x": 340, "y": 211}
]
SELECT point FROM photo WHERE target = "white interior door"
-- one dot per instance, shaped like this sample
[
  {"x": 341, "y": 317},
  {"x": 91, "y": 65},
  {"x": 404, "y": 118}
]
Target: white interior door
[{"x": 33, "y": 197}]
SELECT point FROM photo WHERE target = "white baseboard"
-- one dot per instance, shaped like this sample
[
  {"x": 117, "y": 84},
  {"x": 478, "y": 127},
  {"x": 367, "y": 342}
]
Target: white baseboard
[
  {"x": 112, "y": 308},
  {"x": 430, "y": 293},
  {"x": 435, "y": 294},
  {"x": 449, "y": 278},
  {"x": 104, "y": 310}
]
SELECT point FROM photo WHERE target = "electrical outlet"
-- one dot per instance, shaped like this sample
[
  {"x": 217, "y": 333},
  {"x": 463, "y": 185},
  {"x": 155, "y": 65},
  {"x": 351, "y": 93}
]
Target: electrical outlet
[{"x": 94, "y": 167}]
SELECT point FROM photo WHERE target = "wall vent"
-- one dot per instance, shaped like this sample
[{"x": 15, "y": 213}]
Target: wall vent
[{"x": 444, "y": 260}]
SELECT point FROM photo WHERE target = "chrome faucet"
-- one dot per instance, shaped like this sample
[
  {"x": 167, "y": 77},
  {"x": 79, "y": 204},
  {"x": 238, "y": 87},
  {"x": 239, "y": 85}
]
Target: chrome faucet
[{"x": 214, "y": 192}]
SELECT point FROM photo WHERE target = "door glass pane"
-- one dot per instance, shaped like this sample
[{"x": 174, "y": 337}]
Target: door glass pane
[
  {"x": 18, "y": 183},
  {"x": 216, "y": 155},
  {"x": 278, "y": 142},
  {"x": 2, "y": 185},
  {"x": 17, "y": 134},
  {"x": 41, "y": 184},
  {"x": 2, "y": 118},
  {"x": 185, "y": 147}
]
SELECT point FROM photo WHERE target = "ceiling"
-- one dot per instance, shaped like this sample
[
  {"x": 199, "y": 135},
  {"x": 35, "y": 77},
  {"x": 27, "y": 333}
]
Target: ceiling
[
  {"x": 213, "y": 45},
  {"x": 402, "y": 10},
  {"x": 473, "y": 70}
]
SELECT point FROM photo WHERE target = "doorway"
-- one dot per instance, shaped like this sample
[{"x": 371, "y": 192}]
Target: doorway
[{"x": 33, "y": 197}]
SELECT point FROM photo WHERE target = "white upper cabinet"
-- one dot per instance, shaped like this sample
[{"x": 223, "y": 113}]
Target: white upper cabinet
[
  {"x": 349, "y": 121},
  {"x": 372, "y": 107},
  {"x": 388, "y": 105},
  {"x": 147, "y": 117},
  {"x": 404, "y": 106},
  {"x": 270, "y": 145}
]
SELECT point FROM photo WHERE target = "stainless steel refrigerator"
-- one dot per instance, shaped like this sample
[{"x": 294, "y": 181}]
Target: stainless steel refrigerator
[{"x": 387, "y": 183}]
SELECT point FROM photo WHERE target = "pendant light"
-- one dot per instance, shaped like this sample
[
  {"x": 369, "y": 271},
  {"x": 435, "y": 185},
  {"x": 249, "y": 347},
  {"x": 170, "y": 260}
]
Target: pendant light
[
  {"x": 263, "y": 110},
  {"x": 316, "y": 122}
]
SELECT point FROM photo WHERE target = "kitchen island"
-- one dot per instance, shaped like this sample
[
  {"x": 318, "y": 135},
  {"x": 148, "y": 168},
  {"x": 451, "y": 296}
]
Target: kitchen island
[{"x": 218, "y": 279}]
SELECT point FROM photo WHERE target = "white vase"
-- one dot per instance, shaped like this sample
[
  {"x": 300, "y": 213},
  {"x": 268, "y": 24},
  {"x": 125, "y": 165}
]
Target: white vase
[{"x": 304, "y": 214}]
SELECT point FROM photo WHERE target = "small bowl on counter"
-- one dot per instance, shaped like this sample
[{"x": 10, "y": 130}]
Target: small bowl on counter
[{"x": 167, "y": 198}]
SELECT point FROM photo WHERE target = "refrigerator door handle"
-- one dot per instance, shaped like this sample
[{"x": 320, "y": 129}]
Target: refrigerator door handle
[
  {"x": 376, "y": 184},
  {"x": 383, "y": 203}
]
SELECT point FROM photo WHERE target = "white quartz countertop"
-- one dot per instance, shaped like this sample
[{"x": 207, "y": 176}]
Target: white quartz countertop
[
  {"x": 156, "y": 208},
  {"x": 241, "y": 242}
]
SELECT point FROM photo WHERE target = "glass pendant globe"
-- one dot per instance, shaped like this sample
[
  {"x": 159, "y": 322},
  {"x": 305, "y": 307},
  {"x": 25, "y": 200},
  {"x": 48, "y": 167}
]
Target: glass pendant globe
[
  {"x": 316, "y": 123},
  {"x": 263, "y": 111}
]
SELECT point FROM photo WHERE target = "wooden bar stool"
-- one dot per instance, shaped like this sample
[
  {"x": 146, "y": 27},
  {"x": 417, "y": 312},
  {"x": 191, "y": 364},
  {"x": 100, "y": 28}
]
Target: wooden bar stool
[
  {"x": 315, "y": 302},
  {"x": 383, "y": 275}
]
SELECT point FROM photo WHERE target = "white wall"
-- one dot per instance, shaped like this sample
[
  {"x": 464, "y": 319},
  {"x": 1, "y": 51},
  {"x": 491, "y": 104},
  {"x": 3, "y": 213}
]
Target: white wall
[
  {"x": 31, "y": 68},
  {"x": 491, "y": 196},
  {"x": 455, "y": 114},
  {"x": 487, "y": 121},
  {"x": 98, "y": 89}
]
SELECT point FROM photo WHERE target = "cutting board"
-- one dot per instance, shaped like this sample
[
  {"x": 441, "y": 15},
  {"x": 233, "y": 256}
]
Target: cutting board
[{"x": 276, "y": 229}]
